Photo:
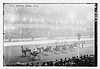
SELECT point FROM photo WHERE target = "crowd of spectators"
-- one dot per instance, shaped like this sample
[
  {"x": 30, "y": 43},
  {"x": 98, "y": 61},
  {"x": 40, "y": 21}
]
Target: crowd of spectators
[
  {"x": 83, "y": 60},
  {"x": 23, "y": 33}
]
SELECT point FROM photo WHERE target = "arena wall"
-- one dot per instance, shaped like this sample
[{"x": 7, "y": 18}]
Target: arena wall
[{"x": 43, "y": 42}]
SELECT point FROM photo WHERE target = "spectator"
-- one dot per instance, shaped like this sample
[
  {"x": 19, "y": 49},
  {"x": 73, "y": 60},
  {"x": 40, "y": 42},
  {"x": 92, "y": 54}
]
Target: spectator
[
  {"x": 61, "y": 62},
  {"x": 56, "y": 63},
  {"x": 32, "y": 64},
  {"x": 48, "y": 64},
  {"x": 65, "y": 62},
  {"x": 37, "y": 64},
  {"x": 51, "y": 63},
  {"x": 85, "y": 60},
  {"x": 43, "y": 64}
]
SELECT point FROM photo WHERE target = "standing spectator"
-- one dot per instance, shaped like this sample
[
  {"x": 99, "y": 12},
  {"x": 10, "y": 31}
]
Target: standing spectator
[{"x": 65, "y": 62}]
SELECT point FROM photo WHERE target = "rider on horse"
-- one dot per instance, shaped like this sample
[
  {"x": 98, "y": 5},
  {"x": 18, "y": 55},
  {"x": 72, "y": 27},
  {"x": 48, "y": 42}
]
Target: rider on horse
[
  {"x": 23, "y": 51},
  {"x": 34, "y": 54}
]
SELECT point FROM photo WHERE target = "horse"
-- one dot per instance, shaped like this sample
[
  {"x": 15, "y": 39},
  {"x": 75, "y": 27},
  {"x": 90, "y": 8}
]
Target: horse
[
  {"x": 57, "y": 48},
  {"x": 24, "y": 51},
  {"x": 47, "y": 49},
  {"x": 40, "y": 50},
  {"x": 35, "y": 54}
]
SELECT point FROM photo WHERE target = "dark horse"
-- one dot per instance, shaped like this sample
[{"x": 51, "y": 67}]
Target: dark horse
[
  {"x": 35, "y": 54},
  {"x": 24, "y": 51},
  {"x": 57, "y": 48},
  {"x": 48, "y": 49}
]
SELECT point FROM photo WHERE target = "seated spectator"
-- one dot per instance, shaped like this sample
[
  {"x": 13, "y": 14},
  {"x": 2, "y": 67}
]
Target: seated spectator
[
  {"x": 32, "y": 64},
  {"x": 56, "y": 63},
  {"x": 51, "y": 63},
  {"x": 37, "y": 64},
  {"x": 87, "y": 55},
  {"x": 65, "y": 62},
  {"x": 43, "y": 64},
  {"x": 27, "y": 64},
  {"x": 61, "y": 62},
  {"x": 85, "y": 60},
  {"x": 48, "y": 64},
  {"x": 80, "y": 56},
  {"x": 84, "y": 56},
  {"x": 69, "y": 60}
]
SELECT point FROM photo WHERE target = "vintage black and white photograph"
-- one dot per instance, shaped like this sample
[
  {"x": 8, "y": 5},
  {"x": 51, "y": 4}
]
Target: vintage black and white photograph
[{"x": 50, "y": 34}]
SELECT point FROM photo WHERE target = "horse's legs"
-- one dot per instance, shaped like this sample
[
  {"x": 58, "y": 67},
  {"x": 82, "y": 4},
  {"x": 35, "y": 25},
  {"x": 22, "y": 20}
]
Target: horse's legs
[
  {"x": 25, "y": 54},
  {"x": 22, "y": 53}
]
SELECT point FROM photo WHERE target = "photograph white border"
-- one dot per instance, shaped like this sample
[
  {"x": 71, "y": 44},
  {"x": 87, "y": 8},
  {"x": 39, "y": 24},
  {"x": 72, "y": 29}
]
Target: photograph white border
[{"x": 46, "y": 1}]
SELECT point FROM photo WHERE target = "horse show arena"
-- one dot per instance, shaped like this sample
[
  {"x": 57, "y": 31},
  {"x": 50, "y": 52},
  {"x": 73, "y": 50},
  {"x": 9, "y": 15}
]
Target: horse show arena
[{"x": 13, "y": 53}]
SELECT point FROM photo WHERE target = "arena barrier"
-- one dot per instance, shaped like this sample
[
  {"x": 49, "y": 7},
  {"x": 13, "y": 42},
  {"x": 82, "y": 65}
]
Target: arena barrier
[
  {"x": 16, "y": 40},
  {"x": 45, "y": 38},
  {"x": 43, "y": 42}
]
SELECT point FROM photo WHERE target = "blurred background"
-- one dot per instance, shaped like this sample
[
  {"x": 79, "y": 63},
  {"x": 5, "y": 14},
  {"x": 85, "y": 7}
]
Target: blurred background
[{"x": 48, "y": 21}]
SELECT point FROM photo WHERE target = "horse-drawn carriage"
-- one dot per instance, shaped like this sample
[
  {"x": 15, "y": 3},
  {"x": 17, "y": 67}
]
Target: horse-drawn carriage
[
  {"x": 57, "y": 49},
  {"x": 35, "y": 55},
  {"x": 32, "y": 55}
]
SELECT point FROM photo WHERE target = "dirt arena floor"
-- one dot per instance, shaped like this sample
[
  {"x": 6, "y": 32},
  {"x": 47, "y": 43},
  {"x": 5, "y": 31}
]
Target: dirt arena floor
[{"x": 13, "y": 54}]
